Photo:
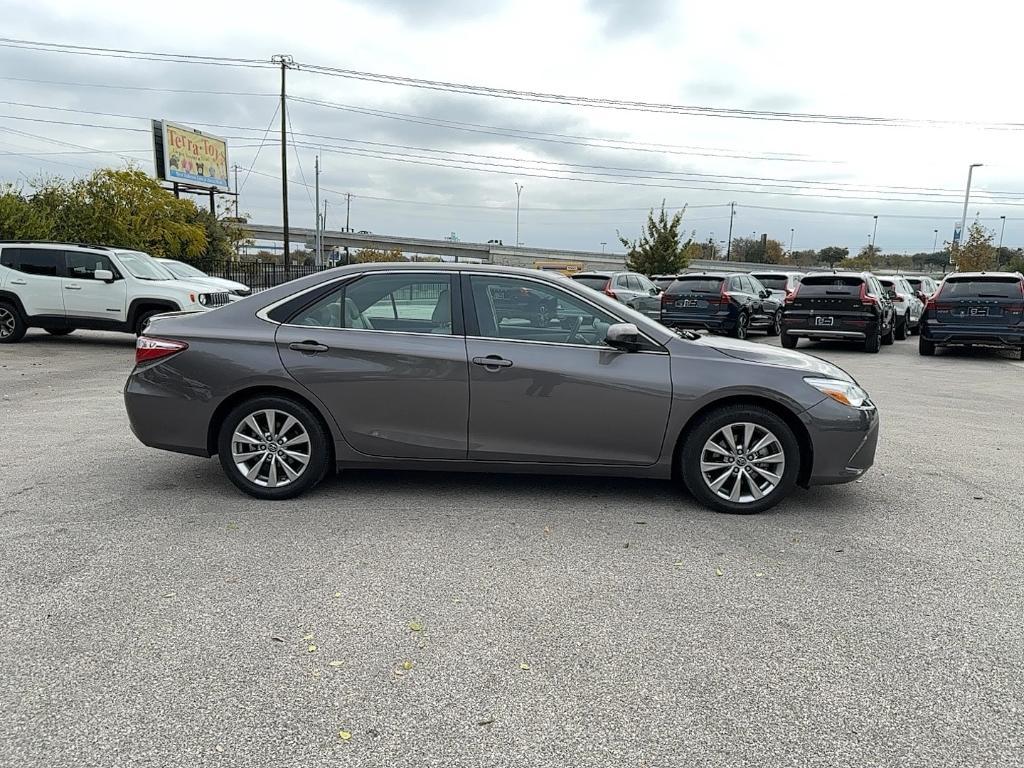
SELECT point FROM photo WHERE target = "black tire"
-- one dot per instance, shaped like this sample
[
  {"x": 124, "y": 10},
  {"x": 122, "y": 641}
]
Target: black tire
[
  {"x": 12, "y": 324},
  {"x": 890, "y": 337},
  {"x": 924, "y": 347},
  {"x": 775, "y": 327},
  {"x": 873, "y": 342},
  {"x": 739, "y": 331},
  {"x": 789, "y": 342},
  {"x": 60, "y": 331},
  {"x": 691, "y": 456},
  {"x": 140, "y": 322},
  {"x": 320, "y": 453},
  {"x": 903, "y": 329}
]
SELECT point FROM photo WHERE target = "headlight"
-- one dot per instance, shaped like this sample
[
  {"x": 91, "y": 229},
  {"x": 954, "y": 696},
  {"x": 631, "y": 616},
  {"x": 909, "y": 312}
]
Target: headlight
[
  {"x": 845, "y": 392},
  {"x": 204, "y": 299}
]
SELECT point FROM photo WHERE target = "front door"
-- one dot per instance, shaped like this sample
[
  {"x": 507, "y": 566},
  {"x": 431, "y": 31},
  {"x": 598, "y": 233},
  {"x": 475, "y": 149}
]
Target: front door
[
  {"x": 384, "y": 355},
  {"x": 36, "y": 279},
  {"x": 556, "y": 393},
  {"x": 89, "y": 298}
]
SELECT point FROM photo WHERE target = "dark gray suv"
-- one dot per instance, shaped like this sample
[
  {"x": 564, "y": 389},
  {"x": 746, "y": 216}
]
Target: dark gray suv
[{"x": 416, "y": 366}]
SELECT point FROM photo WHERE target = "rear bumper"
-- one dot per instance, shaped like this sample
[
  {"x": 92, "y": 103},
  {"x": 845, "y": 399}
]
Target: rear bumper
[
  {"x": 803, "y": 328},
  {"x": 843, "y": 440},
  {"x": 948, "y": 335},
  {"x": 707, "y": 322}
]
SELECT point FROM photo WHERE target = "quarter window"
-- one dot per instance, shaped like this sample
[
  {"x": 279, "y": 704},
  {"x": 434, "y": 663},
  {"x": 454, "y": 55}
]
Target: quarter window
[
  {"x": 523, "y": 310},
  {"x": 409, "y": 303},
  {"x": 31, "y": 261}
]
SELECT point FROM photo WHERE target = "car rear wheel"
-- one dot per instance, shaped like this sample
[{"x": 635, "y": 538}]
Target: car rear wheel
[
  {"x": 60, "y": 331},
  {"x": 144, "y": 318},
  {"x": 742, "y": 323},
  {"x": 12, "y": 327},
  {"x": 273, "y": 448},
  {"x": 740, "y": 460},
  {"x": 925, "y": 347},
  {"x": 873, "y": 342},
  {"x": 776, "y": 325},
  {"x": 789, "y": 342},
  {"x": 890, "y": 337},
  {"x": 903, "y": 328}
]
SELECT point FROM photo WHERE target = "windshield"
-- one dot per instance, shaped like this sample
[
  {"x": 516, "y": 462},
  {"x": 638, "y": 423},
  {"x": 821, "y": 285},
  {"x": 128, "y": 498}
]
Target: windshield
[
  {"x": 182, "y": 270},
  {"x": 143, "y": 266},
  {"x": 774, "y": 282},
  {"x": 597, "y": 282}
]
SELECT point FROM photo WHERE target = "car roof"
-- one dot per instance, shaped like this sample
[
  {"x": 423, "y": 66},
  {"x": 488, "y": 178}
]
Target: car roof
[
  {"x": 704, "y": 273},
  {"x": 56, "y": 244},
  {"x": 972, "y": 275},
  {"x": 842, "y": 272},
  {"x": 786, "y": 272},
  {"x": 597, "y": 273}
]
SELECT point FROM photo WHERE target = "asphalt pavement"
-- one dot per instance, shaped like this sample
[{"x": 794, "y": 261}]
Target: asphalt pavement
[{"x": 150, "y": 615}]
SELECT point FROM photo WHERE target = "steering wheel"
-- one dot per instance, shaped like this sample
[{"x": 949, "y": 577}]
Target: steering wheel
[{"x": 574, "y": 332}]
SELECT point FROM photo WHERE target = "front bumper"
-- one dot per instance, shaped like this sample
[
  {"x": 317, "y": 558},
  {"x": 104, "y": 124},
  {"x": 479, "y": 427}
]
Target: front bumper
[{"x": 843, "y": 441}]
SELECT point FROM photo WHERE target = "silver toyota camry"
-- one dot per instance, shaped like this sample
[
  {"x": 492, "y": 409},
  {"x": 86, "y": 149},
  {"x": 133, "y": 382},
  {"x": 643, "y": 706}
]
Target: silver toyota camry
[{"x": 479, "y": 368}]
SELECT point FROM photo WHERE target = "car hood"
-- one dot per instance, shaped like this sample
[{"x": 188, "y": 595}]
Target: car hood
[
  {"x": 198, "y": 285},
  {"x": 781, "y": 358}
]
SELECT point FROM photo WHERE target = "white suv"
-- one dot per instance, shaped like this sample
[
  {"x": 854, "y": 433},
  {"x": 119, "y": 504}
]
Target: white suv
[{"x": 61, "y": 287}]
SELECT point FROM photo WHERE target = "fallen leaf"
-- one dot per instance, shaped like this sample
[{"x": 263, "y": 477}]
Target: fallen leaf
[
  {"x": 312, "y": 649},
  {"x": 344, "y": 735},
  {"x": 416, "y": 626},
  {"x": 308, "y": 637},
  {"x": 546, "y": 530},
  {"x": 839, "y": 550},
  {"x": 398, "y": 672},
  {"x": 678, "y": 563},
  {"x": 524, "y": 666},
  {"x": 626, "y": 545},
  {"x": 979, "y": 498},
  {"x": 277, "y": 639},
  {"x": 170, "y": 594},
  {"x": 488, "y": 721},
  {"x": 759, "y": 574},
  {"x": 335, "y": 663},
  {"x": 232, "y": 526},
  {"x": 219, "y": 748},
  {"x": 337, "y": 594},
  {"x": 718, "y": 571},
  {"x": 407, "y": 665},
  {"x": 640, "y": 522}
]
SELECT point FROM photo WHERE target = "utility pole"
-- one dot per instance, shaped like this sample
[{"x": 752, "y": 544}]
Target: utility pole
[
  {"x": 348, "y": 211},
  {"x": 519, "y": 191},
  {"x": 1002, "y": 231},
  {"x": 316, "y": 211},
  {"x": 792, "y": 233},
  {"x": 235, "y": 169},
  {"x": 285, "y": 61},
  {"x": 967, "y": 196},
  {"x": 935, "y": 242},
  {"x": 732, "y": 215}
]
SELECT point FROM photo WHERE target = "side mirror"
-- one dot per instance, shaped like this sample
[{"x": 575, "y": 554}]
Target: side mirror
[
  {"x": 655, "y": 291},
  {"x": 103, "y": 274},
  {"x": 624, "y": 336},
  {"x": 765, "y": 293},
  {"x": 890, "y": 294}
]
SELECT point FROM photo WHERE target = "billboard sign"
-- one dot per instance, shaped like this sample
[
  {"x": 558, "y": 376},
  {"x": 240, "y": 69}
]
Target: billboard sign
[{"x": 188, "y": 156}]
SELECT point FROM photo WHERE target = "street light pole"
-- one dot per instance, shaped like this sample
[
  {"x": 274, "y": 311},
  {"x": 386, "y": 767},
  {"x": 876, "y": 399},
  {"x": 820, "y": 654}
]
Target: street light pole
[
  {"x": 873, "y": 233},
  {"x": 967, "y": 197},
  {"x": 603, "y": 244},
  {"x": 519, "y": 192},
  {"x": 791, "y": 235},
  {"x": 728, "y": 248},
  {"x": 935, "y": 242},
  {"x": 1002, "y": 231}
]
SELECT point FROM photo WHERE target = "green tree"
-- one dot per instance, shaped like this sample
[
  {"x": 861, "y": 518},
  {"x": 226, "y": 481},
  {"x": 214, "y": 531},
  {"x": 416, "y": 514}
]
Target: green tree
[
  {"x": 807, "y": 258},
  {"x": 833, "y": 255},
  {"x": 745, "y": 249},
  {"x": 660, "y": 250},
  {"x": 373, "y": 255},
  {"x": 977, "y": 253},
  {"x": 19, "y": 219}
]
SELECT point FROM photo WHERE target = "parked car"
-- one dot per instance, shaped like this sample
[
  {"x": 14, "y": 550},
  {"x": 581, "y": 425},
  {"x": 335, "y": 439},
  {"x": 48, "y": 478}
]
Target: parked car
[
  {"x": 662, "y": 281},
  {"x": 845, "y": 306},
  {"x": 975, "y": 308},
  {"x": 720, "y": 302},
  {"x": 631, "y": 288},
  {"x": 781, "y": 284},
  {"x": 63, "y": 286},
  {"x": 303, "y": 378},
  {"x": 524, "y": 303},
  {"x": 182, "y": 271},
  {"x": 908, "y": 306},
  {"x": 924, "y": 285}
]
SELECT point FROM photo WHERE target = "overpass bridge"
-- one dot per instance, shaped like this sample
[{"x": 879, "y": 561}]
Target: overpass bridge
[{"x": 494, "y": 253}]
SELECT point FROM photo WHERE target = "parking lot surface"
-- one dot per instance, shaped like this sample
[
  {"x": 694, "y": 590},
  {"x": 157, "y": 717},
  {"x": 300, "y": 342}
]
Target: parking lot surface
[{"x": 150, "y": 615}]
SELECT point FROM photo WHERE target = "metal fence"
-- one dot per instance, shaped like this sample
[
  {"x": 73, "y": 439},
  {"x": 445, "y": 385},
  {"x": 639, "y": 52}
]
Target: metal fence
[{"x": 258, "y": 275}]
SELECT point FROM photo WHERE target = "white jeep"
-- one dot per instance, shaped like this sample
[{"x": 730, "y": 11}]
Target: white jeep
[{"x": 61, "y": 286}]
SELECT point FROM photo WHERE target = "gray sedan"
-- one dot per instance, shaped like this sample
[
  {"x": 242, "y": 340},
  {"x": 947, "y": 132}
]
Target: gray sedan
[{"x": 412, "y": 366}]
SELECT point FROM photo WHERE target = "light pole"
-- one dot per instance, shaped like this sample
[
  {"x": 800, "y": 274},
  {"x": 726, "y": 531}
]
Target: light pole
[
  {"x": 1002, "y": 231},
  {"x": 791, "y": 234},
  {"x": 603, "y": 244},
  {"x": 873, "y": 233},
  {"x": 519, "y": 191},
  {"x": 935, "y": 242},
  {"x": 967, "y": 197}
]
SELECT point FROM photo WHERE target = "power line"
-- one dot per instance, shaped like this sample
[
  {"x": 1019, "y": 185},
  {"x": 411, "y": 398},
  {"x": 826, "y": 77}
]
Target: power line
[
  {"x": 259, "y": 149},
  {"x": 112, "y": 86},
  {"x": 124, "y": 53}
]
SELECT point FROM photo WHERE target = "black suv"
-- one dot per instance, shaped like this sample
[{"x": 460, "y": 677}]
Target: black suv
[
  {"x": 983, "y": 308},
  {"x": 721, "y": 302},
  {"x": 848, "y": 306}
]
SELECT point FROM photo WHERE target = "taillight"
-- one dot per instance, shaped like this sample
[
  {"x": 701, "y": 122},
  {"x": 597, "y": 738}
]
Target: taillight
[
  {"x": 148, "y": 349},
  {"x": 866, "y": 300},
  {"x": 607, "y": 290},
  {"x": 897, "y": 299},
  {"x": 667, "y": 298},
  {"x": 791, "y": 295}
]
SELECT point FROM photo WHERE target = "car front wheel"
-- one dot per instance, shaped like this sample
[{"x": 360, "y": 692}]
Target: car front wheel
[
  {"x": 742, "y": 323},
  {"x": 12, "y": 327},
  {"x": 740, "y": 460},
  {"x": 776, "y": 325},
  {"x": 273, "y": 447}
]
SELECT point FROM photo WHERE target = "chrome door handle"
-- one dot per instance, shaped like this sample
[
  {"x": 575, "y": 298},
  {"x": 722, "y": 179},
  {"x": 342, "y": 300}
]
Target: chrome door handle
[
  {"x": 311, "y": 347},
  {"x": 492, "y": 362},
  {"x": 19, "y": 282},
  {"x": 73, "y": 287}
]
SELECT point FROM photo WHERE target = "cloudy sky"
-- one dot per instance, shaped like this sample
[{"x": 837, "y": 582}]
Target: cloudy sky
[{"x": 427, "y": 162}]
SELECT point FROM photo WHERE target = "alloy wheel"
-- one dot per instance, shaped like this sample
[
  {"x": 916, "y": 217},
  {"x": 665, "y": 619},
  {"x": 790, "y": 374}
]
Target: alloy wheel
[
  {"x": 7, "y": 323},
  {"x": 742, "y": 462},
  {"x": 270, "y": 448}
]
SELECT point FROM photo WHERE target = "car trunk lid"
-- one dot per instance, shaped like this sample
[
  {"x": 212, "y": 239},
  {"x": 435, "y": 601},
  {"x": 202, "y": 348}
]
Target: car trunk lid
[
  {"x": 979, "y": 301},
  {"x": 696, "y": 295}
]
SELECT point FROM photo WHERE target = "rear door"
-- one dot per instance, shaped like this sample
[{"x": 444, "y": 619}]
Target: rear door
[
  {"x": 983, "y": 301},
  {"x": 36, "y": 279},
  {"x": 87, "y": 297},
  {"x": 694, "y": 295},
  {"x": 829, "y": 302},
  {"x": 648, "y": 299},
  {"x": 386, "y": 354},
  {"x": 559, "y": 394}
]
